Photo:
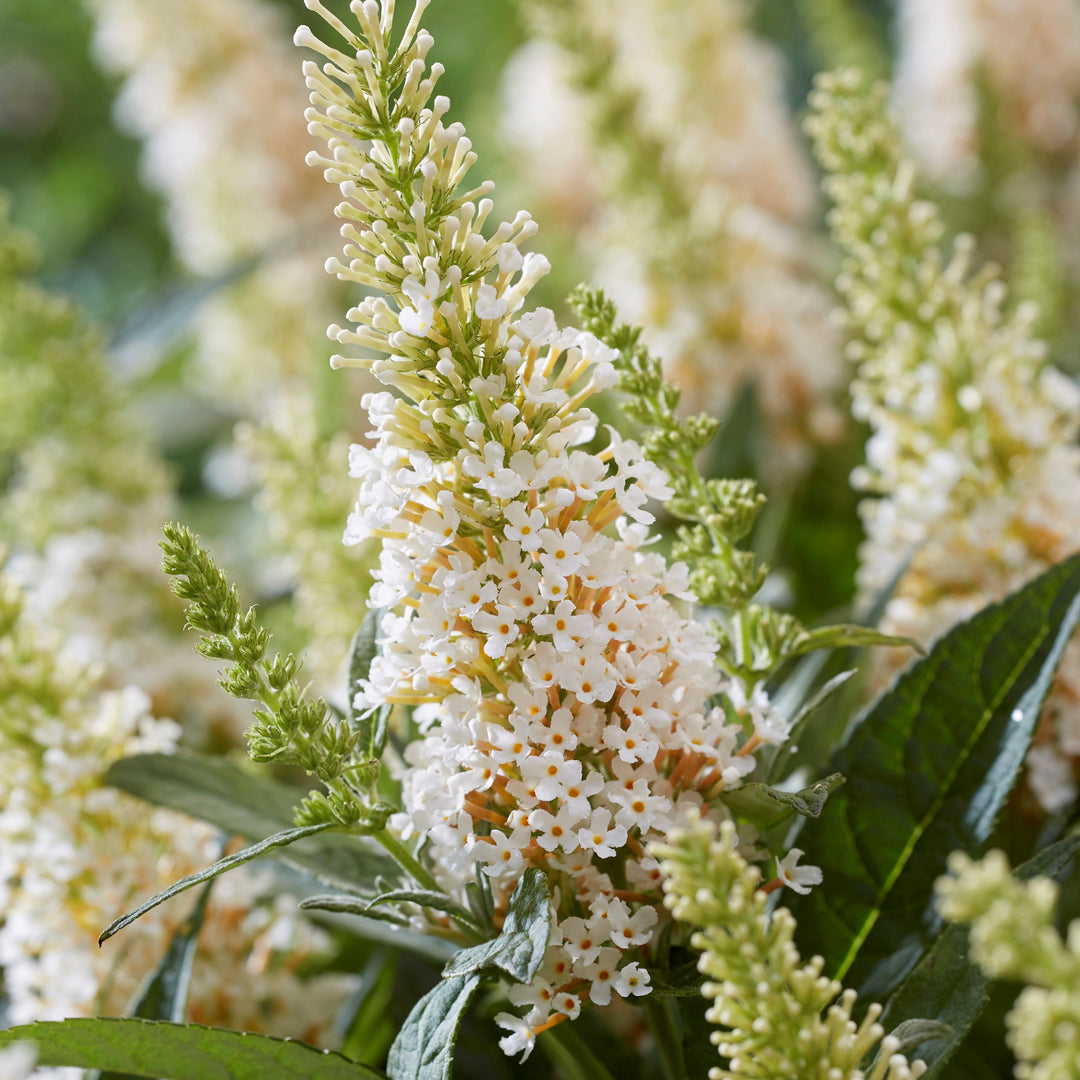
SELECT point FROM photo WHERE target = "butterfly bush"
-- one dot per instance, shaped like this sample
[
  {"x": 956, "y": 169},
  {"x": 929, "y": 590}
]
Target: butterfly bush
[
  {"x": 972, "y": 468},
  {"x": 699, "y": 230},
  {"x": 73, "y": 851},
  {"x": 568, "y": 706}
]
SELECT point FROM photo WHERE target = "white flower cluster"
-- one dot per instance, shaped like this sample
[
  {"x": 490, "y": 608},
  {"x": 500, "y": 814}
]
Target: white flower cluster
[
  {"x": 83, "y": 505},
  {"x": 1028, "y": 53},
  {"x": 562, "y": 693},
  {"x": 74, "y": 854},
  {"x": 707, "y": 241},
  {"x": 973, "y": 454}
]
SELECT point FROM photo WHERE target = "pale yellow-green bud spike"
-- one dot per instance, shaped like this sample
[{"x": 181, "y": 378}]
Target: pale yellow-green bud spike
[
  {"x": 790, "y": 1023},
  {"x": 1013, "y": 936}
]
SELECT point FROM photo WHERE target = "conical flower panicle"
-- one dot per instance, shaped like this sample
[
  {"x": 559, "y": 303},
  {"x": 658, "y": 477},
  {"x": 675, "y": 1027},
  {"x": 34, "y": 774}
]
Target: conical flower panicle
[{"x": 562, "y": 691}]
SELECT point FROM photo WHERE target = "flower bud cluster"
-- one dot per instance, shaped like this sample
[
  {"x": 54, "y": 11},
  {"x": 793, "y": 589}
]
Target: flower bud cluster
[
  {"x": 777, "y": 1017},
  {"x": 74, "y": 853},
  {"x": 1013, "y": 936},
  {"x": 972, "y": 455},
  {"x": 563, "y": 698}
]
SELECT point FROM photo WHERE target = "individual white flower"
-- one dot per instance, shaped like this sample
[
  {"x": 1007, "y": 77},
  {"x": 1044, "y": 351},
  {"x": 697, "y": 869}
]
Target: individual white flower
[{"x": 797, "y": 878}]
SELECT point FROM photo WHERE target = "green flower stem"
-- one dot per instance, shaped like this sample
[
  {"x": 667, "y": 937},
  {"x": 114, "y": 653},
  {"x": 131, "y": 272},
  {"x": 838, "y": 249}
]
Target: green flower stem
[
  {"x": 661, "y": 1014},
  {"x": 399, "y": 853}
]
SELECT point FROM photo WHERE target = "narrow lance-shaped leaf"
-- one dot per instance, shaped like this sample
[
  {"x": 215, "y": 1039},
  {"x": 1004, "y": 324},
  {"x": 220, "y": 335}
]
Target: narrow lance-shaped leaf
[
  {"x": 163, "y": 1051},
  {"x": 928, "y": 769},
  {"x": 222, "y": 866},
  {"x": 947, "y": 987},
  {"x": 351, "y": 905},
  {"x": 164, "y": 996},
  {"x": 848, "y": 634},
  {"x": 242, "y": 803},
  {"x": 771, "y": 758}
]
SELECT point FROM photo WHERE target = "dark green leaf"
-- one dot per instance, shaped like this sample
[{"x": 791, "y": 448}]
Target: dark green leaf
[
  {"x": 771, "y": 758},
  {"x": 369, "y": 1030},
  {"x": 682, "y": 981},
  {"x": 571, "y": 1054},
  {"x": 928, "y": 769},
  {"x": 242, "y": 803},
  {"x": 947, "y": 987},
  {"x": 222, "y": 866},
  {"x": 765, "y": 806},
  {"x": 157, "y": 1049},
  {"x": 164, "y": 997},
  {"x": 666, "y": 1028},
  {"x": 913, "y": 1033},
  {"x": 372, "y": 724},
  {"x": 424, "y": 1047},
  {"x": 849, "y": 634},
  {"x": 519, "y": 949}
]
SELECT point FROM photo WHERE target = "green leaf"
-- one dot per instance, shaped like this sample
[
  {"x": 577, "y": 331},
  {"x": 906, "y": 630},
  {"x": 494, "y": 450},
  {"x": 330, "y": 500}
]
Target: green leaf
[
  {"x": 245, "y": 804},
  {"x": 164, "y": 997},
  {"x": 370, "y": 1031},
  {"x": 928, "y": 769},
  {"x": 351, "y": 905},
  {"x": 167, "y": 1051},
  {"x": 682, "y": 981},
  {"x": 222, "y": 866},
  {"x": 424, "y": 1047},
  {"x": 766, "y": 806},
  {"x": 519, "y": 949},
  {"x": 913, "y": 1033},
  {"x": 947, "y": 987},
  {"x": 847, "y": 634},
  {"x": 771, "y": 758},
  {"x": 428, "y": 898},
  {"x": 373, "y": 724}
]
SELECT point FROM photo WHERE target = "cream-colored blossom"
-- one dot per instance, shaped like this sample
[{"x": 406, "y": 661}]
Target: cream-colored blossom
[
  {"x": 75, "y": 854},
  {"x": 706, "y": 241},
  {"x": 562, "y": 695},
  {"x": 972, "y": 466},
  {"x": 1028, "y": 53},
  {"x": 86, "y": 490}
]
